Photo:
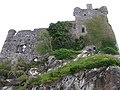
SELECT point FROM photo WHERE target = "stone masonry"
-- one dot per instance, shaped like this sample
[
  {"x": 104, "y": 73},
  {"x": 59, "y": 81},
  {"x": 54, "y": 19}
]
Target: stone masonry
[
  {"x": 81, "y": 15},
  {"x": 21, "y": 44}
]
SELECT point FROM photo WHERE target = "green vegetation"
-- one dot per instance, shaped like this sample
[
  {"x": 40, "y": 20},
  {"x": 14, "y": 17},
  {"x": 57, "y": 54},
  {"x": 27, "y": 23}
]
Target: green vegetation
[
  {"x": 23, "y": 77},
  {"x": 99, "y": 31},
  {"x": 64, "y": 54},
  {"x": 109, "y": 47},
  {"x": 60, "y": 34},
  {"x": 96, "y": 61},
  {"x": 5, "y": 68},
  {"x": 110, "y": 50},
  {"x": 61, "y": 37},
  {"x": 57, "y": 41},
  {"x": 18, "y": 72},
  {"x": 45, "y": 45}
]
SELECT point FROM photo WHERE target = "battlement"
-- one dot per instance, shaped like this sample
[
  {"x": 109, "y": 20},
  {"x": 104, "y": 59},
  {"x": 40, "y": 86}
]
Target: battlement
[
  {"x": 90, "y": 12},
  {"x": 89, "y": 6}
]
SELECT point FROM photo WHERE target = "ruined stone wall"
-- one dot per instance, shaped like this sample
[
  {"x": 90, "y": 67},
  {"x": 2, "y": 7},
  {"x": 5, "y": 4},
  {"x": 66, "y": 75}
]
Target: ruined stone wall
[
  {"x": 81, "y": 15},
  {"x": 21, "y": 44}
]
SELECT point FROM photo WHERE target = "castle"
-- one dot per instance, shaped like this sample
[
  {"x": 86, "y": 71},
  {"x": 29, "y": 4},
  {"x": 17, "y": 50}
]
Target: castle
[{"x": 23, "y": 43}]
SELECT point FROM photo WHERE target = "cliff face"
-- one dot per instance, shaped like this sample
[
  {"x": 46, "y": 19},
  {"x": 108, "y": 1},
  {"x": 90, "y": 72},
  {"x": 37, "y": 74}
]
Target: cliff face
[{"x": 94, "y": 79}]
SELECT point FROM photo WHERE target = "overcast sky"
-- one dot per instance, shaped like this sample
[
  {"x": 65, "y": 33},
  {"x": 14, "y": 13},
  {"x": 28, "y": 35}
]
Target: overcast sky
[{"x": 30, "y": 14}]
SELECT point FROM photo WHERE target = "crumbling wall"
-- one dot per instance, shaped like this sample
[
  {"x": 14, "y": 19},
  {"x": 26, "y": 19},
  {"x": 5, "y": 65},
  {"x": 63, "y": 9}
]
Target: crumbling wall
[{"x": 21, "y": 44}]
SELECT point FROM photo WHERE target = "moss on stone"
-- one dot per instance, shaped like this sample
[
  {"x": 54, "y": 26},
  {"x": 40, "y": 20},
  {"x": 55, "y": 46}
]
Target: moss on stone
[{"x": 98, "y": 30}]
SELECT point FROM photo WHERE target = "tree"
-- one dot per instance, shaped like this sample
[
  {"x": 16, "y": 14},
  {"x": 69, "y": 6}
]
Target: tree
[{"x": 45, "y": 45}]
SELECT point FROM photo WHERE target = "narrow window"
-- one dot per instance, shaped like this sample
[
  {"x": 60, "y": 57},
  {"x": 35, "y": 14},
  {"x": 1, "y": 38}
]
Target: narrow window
[{"x": 83, "y": 30}]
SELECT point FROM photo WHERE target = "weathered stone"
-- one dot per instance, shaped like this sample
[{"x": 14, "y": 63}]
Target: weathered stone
[
  {"x": 94, "y": 79},
  {"x": 21, "y": 44},
  {"x": 81, "y": 15}
]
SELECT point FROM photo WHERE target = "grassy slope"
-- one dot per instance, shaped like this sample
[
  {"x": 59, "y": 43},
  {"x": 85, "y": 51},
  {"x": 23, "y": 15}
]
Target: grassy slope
[
  {"x": 96, "y": 61},
  {"x": 98, "y": 30}
]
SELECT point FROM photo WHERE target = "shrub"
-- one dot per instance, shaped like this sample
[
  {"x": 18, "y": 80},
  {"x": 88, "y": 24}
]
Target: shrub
[
  {"x": 61, "y": 38},
  {"x": 5, "y": 68},
  {"x": 22, "y": 77},
  {"x": 109, "y": 47},
  {"x": 110, "y": 50},
  {"x": 64, "y": 53},
  {"x": 74, "y": 69},
  {"x": 108, "y": 43},
  {"x": 99, "y": 33},
  {"x": 45, "y": 45}
]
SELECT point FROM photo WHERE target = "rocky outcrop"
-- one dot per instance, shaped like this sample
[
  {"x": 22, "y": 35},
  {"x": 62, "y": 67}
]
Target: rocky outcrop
[{"x": 94, "y": 79}]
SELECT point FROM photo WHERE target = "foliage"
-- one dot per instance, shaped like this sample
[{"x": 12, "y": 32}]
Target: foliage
[
  {"x": 108, "y": 43},
  {"x": 4, "y": 68},
  {"x": 99, "y": 32},
  {"x": 64, "y": 53},
  {"x": 91, "y": 62},
  {"x": 18, "y": 88},
  {"x": 108, "y": 47},
  {"x": 5, "y": 65},
  {"x": 110, "y": 50},
  {"x": 45, "y": 45},
  {"x": 61, "y": 37},
  {"x": 22, "y": 77},
  {"x": 78, "y": 44},
  {"x": 23, "y": 64}
]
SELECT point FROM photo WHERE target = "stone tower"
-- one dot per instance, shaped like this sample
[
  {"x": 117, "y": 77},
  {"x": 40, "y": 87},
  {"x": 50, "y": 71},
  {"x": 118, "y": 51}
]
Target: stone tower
[{"x": 81, "y": 15}]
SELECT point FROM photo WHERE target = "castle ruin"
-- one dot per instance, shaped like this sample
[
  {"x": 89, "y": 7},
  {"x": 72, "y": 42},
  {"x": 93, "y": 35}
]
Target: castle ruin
[{"x": 23, "y": 43}]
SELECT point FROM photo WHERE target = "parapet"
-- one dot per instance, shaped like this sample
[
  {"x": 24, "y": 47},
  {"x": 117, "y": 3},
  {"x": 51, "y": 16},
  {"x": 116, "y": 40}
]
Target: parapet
[
  {"x": 104, "y": 10},
  {"x": 11, "y": 32},
  {"x": 89, "y": 6},
  {"x": 89, "y": 12},
  {"x": 76, "y": 11}
]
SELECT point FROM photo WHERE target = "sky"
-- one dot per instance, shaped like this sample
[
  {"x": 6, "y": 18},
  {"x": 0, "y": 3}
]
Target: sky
[{"x": 31, "y": 14}]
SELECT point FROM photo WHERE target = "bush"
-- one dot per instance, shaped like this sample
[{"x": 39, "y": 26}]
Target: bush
[
  {"x": 5, "y": 68},
  {"x": 61, "y": 38},
  {"x": 99, "y": 33},
  {"x": 110, "y": 50},
  {"x": 108, "y": 47},
  {"x": 64, "y": 54},
  {"x": 22, "y": 77},
  {"x": 74, "y": 69},
  {"x": 45, "y": 45}
]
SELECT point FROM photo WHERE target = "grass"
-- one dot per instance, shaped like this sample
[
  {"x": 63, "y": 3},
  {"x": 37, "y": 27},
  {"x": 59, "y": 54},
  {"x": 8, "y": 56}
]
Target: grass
[
  {"x": 96, "y": 61},
  {"x": 64, "y": 54}
]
